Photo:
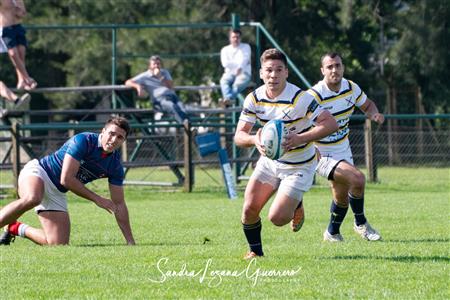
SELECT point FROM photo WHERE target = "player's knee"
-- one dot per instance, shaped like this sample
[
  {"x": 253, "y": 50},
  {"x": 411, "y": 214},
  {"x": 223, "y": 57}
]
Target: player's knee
[
  {"x": 250, "y": 211},
  {"x": 57, "y": 241},
  {"x": 358, "y": 180},
  {"x": 13, "y": 53},
  {"x": 278, "y": 220}
]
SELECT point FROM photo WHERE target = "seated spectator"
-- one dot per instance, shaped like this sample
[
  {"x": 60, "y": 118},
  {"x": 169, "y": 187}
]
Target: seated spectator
[
  {"x": 235, "y": 59},
  {"x": 158, "y": 83},
  {"x": 13, "y": 40}
]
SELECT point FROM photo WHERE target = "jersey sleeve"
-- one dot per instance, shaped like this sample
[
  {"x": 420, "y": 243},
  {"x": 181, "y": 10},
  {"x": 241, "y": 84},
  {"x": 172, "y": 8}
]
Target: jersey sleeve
[
  {"x": 313, "y": 109},
  {"x": 248, "y": 113},
  {"x": 77, "y": 146},
  {"x": 361, "y": 97}
]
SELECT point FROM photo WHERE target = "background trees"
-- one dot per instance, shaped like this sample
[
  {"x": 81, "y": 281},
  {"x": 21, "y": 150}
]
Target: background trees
[{"x": 397, "y": 48}]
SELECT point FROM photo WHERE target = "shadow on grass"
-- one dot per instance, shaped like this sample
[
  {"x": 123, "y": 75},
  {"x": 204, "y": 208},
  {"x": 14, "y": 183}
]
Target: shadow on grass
[
  {"x": 443, "y": 240},
  {"x": 165, "y": 244},
  {"x": 401, "y": 258}
]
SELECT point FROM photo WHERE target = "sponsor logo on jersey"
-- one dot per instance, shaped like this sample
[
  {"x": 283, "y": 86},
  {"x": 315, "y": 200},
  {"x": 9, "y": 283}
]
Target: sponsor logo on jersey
[{"x": 312, "y": 108}]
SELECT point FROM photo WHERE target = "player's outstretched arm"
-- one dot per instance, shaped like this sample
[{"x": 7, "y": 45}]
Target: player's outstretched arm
[
  {"x": 121, "y": 214},
  {"x": 69, "y": 180},
  {"x": 371, "y": 111}
]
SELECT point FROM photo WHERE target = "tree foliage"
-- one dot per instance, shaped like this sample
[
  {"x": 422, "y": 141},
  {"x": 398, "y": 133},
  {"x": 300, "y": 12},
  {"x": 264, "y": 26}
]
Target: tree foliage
[{"x": 402, "y": 42}]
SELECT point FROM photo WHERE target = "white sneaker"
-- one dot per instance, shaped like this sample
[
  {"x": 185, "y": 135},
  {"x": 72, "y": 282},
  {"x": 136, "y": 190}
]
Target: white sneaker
[
  {"x": 332, "y": 237},
  {"x": 367, "y": 232}
]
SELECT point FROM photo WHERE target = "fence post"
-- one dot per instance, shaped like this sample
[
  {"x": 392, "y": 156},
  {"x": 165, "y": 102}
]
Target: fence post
[
  {"x": 15, "y": 153},
  {"x": 188, "y": 166},
  {"x": 235, "y": 22},
  {"x": 371, "y": 168},
  {"x": 124, "y": 151},
  {"x": 113, "y": 64}
]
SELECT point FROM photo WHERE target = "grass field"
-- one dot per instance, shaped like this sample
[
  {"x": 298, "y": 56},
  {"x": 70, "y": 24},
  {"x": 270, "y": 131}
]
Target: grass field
[{"x": 197, "y": 241}]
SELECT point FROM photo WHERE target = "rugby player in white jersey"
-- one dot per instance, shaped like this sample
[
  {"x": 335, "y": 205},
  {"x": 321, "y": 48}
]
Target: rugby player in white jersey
[
  {"x": 340, "y": 97},
  {"x": 292, "y": 174}
]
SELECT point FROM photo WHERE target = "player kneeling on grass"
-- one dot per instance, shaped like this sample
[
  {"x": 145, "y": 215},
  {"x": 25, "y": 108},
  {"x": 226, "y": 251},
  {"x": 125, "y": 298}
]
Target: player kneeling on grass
[
  {"x": 43, "y": 184},
  {"x": 292, "y": 174}
]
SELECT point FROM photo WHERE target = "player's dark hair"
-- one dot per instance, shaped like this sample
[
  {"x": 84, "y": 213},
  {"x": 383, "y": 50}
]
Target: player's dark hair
[
  {"x": 120, "y": 122},
  {"x": 235, "y": 30},
  {"x": 330, "y": 54},
  {"x": 273, "y": 54}
]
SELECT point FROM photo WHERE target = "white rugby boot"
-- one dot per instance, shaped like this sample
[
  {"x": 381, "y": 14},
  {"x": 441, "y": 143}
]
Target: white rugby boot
[
  {"x": 367, "y": 232},
  {"x": 332, "y": 237}
]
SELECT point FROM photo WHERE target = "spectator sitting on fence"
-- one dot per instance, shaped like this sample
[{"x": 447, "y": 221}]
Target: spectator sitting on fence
[
  {"x": 10, "y": 96},
  {"x": 235, "y": 59},
  {"x": 13, "y": 40},
  {"x": 159, "y": 85}
]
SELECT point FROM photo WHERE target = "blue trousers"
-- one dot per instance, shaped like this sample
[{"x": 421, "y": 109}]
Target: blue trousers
[
  {"x": 231, "y": 85},
  {"x": 171, "y": 104}
]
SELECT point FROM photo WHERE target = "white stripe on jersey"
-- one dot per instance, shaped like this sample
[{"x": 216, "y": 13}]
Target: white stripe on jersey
[
  {"x": 341, "y": 105},
  {"x": 297, "y": 109}
]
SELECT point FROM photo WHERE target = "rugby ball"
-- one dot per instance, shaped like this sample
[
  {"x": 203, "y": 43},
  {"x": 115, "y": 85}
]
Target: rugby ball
[{"x": 272, "y": 136}]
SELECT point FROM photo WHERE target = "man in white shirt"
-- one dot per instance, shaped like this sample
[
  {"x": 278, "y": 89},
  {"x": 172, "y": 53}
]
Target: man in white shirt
[{"x": 235, "y": 59}]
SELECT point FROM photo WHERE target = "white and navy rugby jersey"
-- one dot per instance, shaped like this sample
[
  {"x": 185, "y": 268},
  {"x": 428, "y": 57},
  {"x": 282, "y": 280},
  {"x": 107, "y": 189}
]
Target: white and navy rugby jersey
[
  {"x": 85, "y": 147},
  {"x": 341, "y": 105},
  {"x": 296, "y": 108}
]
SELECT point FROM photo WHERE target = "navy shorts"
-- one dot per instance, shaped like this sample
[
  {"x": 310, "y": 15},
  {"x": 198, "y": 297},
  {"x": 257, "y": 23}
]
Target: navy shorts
[{"x": 14, "y": 35}]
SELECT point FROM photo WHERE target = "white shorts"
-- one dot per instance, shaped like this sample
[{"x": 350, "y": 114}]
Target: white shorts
[
  {"x": 294, "y": 181},
  {"x": 53, "y": 199},
  {"x": 329, "y": 161}
]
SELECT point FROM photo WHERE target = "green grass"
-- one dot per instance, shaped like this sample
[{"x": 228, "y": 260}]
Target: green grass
[{"x": 410, "y": 207}]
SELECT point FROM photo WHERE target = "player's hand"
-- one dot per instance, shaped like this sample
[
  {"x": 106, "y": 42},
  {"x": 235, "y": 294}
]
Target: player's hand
[
  {"x": 106, "y": 204},
  {"x": 157, "y": 72},
  {"x": 291, "y": 140},
  {"x": 379, "y": 118},
  {"x": 258, "y": 145}
]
